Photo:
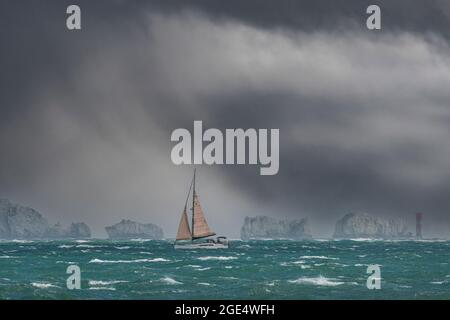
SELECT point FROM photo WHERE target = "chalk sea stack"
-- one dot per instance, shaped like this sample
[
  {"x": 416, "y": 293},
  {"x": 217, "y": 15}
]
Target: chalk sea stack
[
  {"x": 21, "y": 222},
  {"x": 127, "y": 229},
  {"x": 263, "y": 227},
  {"x": 363, "y": 225}
]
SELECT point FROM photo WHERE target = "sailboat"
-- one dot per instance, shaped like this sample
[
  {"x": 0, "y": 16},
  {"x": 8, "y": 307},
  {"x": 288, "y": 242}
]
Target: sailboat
[{"x": 190, "y": 237}]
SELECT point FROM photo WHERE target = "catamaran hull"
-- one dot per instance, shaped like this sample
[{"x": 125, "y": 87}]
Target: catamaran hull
[{"x": 193, "y": 246}]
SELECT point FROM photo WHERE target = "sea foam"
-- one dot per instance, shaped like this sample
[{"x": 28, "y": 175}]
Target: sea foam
[
  {"x": 129, "y": 261},
  {"x": 216, "y": 258},
  {"x": 43, "y": 285},
  {"x": 170, "y": 281},
  {"x": 318, "y": 281}
]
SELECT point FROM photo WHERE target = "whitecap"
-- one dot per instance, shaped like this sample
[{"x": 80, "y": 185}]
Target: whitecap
[
  {"x": 104, "y": 283},
  {"x": 88, "y": 246},
  {"x": 6, "y": 257},
  {"x": 318, "y": 281},
  {"x": 128, "y": 261},
  {"x": 21, "y": 241},
  {"x": 170, "y": 281},
  {"x": 65, "y": 246},
  {"x": 204, "y": 283},
  {"x": 43, "y": 285},
  {"x": 431, "y": 240},
  {"x": 103, "y": 288},
  {"x": 229, "y": 278},
  {"x": 203, "y": 269},
  {"x": 216, "y": 258},
  {"x": 123, "y": 248},
  {"x": 318, "y": 257}
]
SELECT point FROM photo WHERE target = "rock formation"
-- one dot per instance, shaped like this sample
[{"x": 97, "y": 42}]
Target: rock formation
[
  {"x": 362, "y": 225},
  {"x": 262, "y": 227},
  {"x": 127, "y": 229},
  {"x": 20, "y": 222}
]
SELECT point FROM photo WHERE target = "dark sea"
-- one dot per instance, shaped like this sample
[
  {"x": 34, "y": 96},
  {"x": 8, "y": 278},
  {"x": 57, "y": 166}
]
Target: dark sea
[{"x": 266, "y": 269}]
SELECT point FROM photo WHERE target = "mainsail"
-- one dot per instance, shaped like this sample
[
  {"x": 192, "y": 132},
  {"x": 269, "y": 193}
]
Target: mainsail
[
  {"x": 200, "y": 228},
  {"x": 184, "y": 233}
]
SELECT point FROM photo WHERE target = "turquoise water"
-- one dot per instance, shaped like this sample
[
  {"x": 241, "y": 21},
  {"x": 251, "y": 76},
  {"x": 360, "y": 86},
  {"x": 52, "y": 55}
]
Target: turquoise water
[{"x": 247, "y": 270}]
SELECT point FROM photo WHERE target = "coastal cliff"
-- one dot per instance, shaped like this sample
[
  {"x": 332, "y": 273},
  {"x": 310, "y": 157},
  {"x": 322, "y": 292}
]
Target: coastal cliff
[
  {"x": 21, "y": 222},
  {"x": 127, "y": 229},
  {"x": 262, "y": 227},
  {"x": 362, "y": 225}
]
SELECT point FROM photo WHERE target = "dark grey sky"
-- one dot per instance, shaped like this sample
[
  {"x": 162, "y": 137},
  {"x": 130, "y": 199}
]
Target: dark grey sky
[{"x": 364, "y": 116}]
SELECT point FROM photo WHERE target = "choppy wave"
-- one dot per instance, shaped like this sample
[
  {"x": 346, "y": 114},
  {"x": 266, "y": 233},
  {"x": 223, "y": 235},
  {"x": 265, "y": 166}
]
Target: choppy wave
[
  {"x": 141, "y": 240},
  {"x": 216, "y": 258},
  {"x": 22, "y": 241},
  {"x": 318, "y": 257},
  {"x": 203, "y": 269},
  {"x": 88, "y": 246},
  {"x": 317, "y": 281},
  {"x": 331, "y": 270},
  {"x": 128, "y": 261},
  {"x": 170, "y": 281},
  {"x": 43, "y": 285},
  {"x": 105, "y": 283}
]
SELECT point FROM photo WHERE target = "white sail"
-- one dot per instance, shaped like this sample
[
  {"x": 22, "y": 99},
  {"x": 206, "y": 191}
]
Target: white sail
[
  {"x": 200, "y": 228},
  {"x": 184, "y": 232}
]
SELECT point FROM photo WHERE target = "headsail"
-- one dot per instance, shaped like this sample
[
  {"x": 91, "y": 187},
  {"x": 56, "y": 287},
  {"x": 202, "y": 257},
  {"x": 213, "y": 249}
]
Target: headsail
[
  {"x": 184, "y": 232},
  {"x": 200, "y": 226}
]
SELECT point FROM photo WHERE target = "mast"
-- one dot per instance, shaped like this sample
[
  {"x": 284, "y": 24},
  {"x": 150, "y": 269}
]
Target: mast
[{"x": 193, "y": 208}]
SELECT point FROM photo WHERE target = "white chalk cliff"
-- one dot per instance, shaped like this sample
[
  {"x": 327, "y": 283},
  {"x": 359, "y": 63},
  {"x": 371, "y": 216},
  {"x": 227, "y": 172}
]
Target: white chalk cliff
[
  {"x": 21, "y": 222},
  {"x": 262, "y": 227},
  {"x": 362, "y": 225},
  {"x": 127, "y": 229}
]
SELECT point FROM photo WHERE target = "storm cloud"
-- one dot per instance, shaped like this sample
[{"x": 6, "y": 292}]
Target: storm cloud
[{"x": 86, "y": 115}]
